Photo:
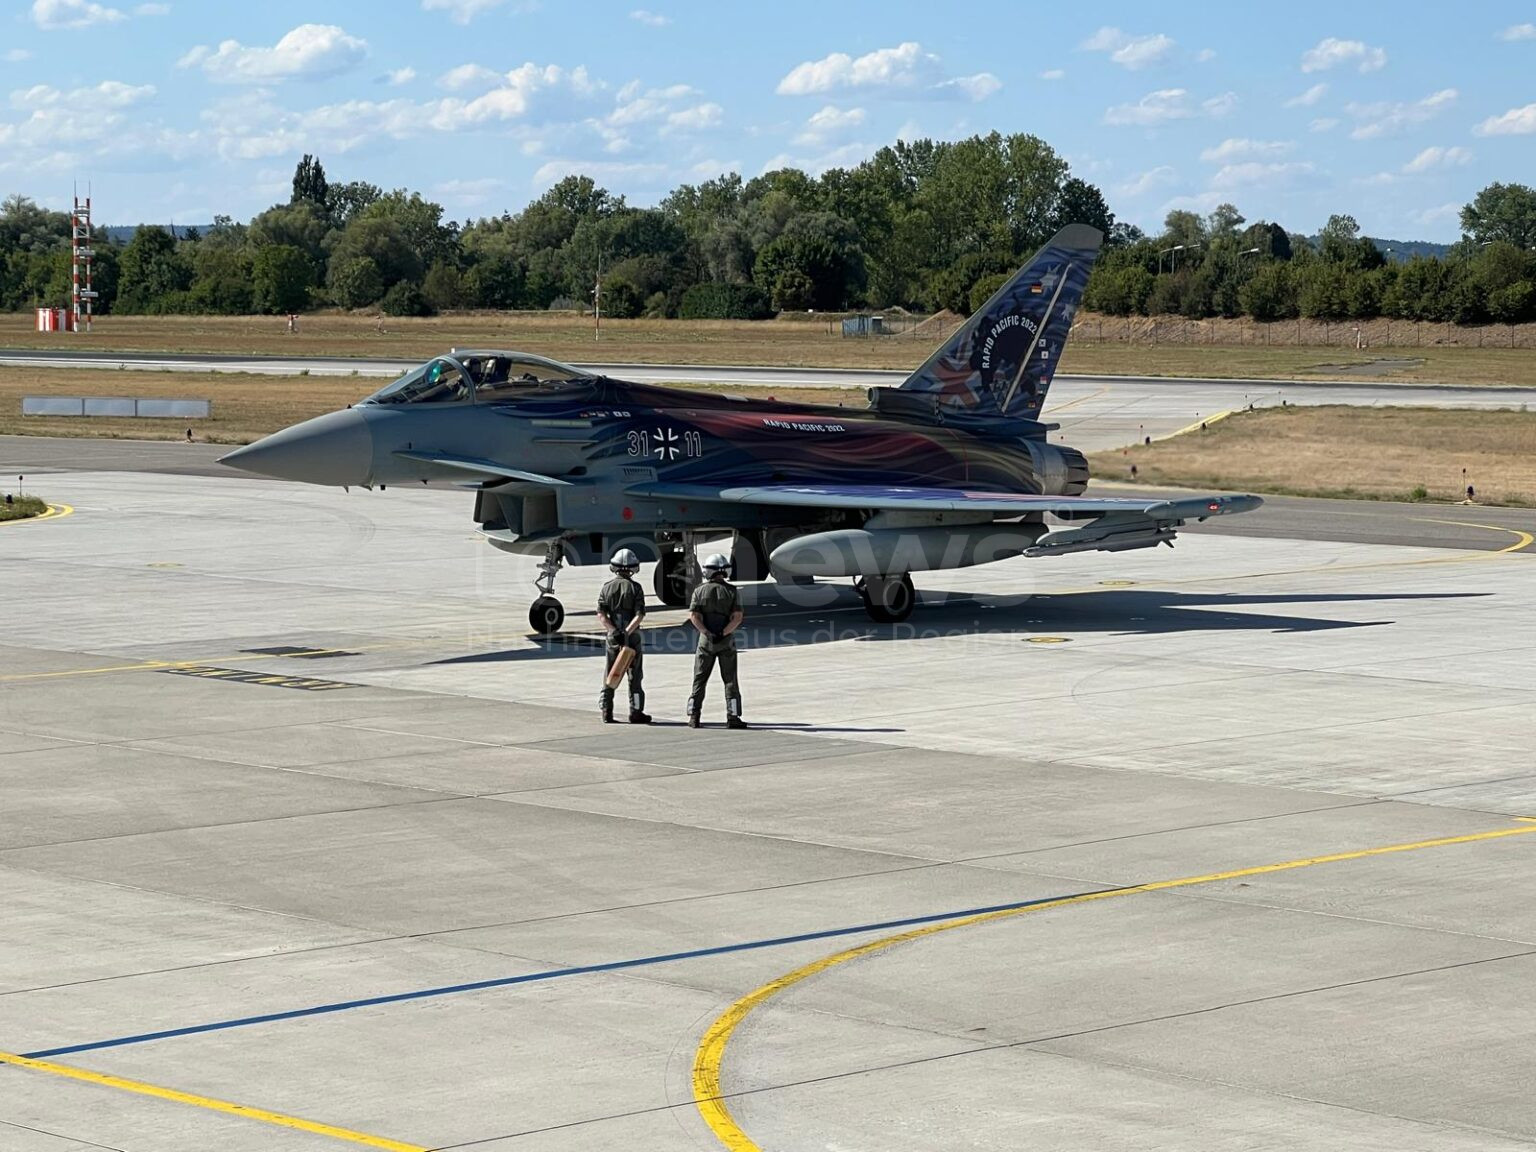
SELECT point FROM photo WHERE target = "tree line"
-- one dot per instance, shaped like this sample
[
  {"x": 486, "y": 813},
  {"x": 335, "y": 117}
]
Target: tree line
[{"x": 923, "y": 225}]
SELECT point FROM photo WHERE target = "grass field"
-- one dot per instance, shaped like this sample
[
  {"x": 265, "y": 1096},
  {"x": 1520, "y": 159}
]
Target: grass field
[
  {"x": 792, "y": 342},
  {"x": 245, "y": 405},
  {"x": 21, "y": 508},
  {"x": 1340, "y": 451}
]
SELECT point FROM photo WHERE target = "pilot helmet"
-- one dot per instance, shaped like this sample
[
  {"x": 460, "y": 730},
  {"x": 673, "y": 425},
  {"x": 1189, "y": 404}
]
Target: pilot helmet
[
  {"x": 716, "y": 564},
  {"x": 624, "y": 562}
]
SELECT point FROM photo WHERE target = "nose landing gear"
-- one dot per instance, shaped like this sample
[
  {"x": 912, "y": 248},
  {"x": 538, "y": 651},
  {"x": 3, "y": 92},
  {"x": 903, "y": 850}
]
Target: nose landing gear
[{"x": 546, "y": 614}]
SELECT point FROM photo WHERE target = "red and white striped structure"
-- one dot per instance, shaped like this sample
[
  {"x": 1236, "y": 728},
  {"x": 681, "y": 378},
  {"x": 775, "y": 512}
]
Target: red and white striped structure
[
  {"x": 54, "y": 319},
  {"x": 80, "y": 233}
]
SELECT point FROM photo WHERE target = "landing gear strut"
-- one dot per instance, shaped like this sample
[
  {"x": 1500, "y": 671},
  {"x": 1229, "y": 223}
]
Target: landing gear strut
[
  {"x": 887, "y": 599},
  {"x": 675, "y": 575},
  {"x": 546, "y": 614}
]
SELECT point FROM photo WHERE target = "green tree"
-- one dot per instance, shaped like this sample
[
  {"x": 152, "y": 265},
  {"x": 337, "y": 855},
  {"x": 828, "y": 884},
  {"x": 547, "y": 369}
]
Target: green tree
[
  {"x": 793, "y": 291},
  {"x": 301, "y": 225},
  {"x": 222, "y": 279},
  {"x": 378, "y": 237},
  {"x": 444, "y": 286},
  {"x": 281, "y": 279},
  {"x": 356, "y": 282},
  {"x": 310, "y": 185},
  {"x": 1504, "y": 212},
  {"x": 822, "y": 249},
  {"x": 153, "y": 272},
  {"x": 1270, "y": 293}
]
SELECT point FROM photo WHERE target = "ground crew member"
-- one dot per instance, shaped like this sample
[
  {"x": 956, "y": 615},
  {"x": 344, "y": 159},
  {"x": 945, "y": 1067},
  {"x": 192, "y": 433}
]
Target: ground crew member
[
  {"x": 715, "y": 611},
  {"x": 620, "y": 609}
]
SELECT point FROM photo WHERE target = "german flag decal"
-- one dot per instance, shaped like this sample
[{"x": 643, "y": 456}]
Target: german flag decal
[{"x": 1036, "y": 289}]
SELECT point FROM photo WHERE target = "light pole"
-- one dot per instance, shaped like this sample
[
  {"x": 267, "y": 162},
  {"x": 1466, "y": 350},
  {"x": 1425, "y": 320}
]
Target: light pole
[
  {"x": 1249, "y": 252},
  {"x": 1174, "y": 263}
]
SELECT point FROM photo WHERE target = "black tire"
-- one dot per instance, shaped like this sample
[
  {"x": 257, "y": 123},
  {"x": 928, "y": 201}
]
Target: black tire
[
  {"x": 545, "y": 615},
  {"x": 890, "y": 600},
  {"x": 671, "y": 579}
]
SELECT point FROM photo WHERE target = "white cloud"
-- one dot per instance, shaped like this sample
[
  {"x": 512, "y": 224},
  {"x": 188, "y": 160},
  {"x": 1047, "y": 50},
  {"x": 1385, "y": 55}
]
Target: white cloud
[
  {"x": 1332, "y": 53},
  {"x": 695, "y": 119},
  {"x": 1386, "y": 118},
  {"x": 1205, "y": 55},
  {"x": 460, "y": 11},
  {"x": 308, "y": 52},
  {"x": 1219, "y": 106},
  {"x": 55, "y": 14},
  {"x": 1519, "y": 32},
  {"x": 1168, "y": 104},
  {"x": 844, "y": 156},
  {"x": 1132, "y": 52},
  {"x": 1237, "y": 148},
  {"x": 1432, "y": 216},
  {"x": 904, "y": 71},
  {"x": 1152, "y": 109},
  {"x": 467, "y": 76},
  {"x": 152, "y": 10},
  {"x": 402, "y": 76},
  {"x": 1324, "y": 124},
  {"x": 1515, "y": 122},
  {"x": 553, "y": 171},
  {"x": 1308, "y": 98},
  {"x": 1432, "y": 158},
  {"x": 1053, "y": 74},
  {"x": 1146, "y": 182},
  {"x": 652, "y": 19},
  {"x": 1254, "y": 174},
  {"x": 830, "y": 123},
  {"x": 16, "y": 55}
]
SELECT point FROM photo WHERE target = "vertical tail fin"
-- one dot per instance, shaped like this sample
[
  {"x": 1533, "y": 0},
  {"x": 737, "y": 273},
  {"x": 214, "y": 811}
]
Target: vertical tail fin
[{"x": 1000, "y": 362}]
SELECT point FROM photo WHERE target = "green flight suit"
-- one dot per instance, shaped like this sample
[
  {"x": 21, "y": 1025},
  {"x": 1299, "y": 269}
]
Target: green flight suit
[
  {"x": 716, "y": 602},
  {"x": 622, "y": 600}
]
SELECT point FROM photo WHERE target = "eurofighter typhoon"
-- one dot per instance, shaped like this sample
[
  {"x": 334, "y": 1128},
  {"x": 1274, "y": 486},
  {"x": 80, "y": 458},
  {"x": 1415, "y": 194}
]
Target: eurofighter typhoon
[{"x": 950, "y": 469}]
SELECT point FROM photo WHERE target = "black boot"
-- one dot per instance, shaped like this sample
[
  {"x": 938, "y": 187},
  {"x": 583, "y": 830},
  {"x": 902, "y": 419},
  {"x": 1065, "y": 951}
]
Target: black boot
[
  {"x": 607, "y": 713},
  {"x": 736, "y": 722},
  {"x": 693, "y": 720},
  {"x": 638, "y": 717}
]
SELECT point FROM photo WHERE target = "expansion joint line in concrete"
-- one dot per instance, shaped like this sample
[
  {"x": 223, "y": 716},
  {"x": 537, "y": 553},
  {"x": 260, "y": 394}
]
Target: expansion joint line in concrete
[
  {"x": 710, "y": 1098},
  {"x": 138, "y": 1087}
]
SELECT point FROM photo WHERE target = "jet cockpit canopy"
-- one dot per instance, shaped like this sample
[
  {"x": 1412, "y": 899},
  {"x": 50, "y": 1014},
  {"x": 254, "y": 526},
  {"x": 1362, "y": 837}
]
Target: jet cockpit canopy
[{"x": 465, "y": 376}]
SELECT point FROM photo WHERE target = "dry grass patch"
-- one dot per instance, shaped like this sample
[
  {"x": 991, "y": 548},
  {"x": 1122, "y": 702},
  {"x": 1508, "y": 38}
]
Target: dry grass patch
[
  {"x": 1336, "y": 450},
  {"x": 245, "y": 406},
  {"x": 796, "y": 341}
]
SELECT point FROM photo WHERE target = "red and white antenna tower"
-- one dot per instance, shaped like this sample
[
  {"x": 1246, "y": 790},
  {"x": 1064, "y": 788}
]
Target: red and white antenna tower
[{"x": 80, "y": 233}]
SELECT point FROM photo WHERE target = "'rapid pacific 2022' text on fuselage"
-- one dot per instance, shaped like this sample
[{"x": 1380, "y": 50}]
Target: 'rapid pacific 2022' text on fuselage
[{"x": 950, "y": 469}]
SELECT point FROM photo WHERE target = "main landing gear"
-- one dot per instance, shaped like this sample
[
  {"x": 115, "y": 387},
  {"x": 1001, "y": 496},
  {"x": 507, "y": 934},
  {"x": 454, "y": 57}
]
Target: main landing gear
[
  {"x": 546, "y": 614},
  {"x": 887, "y": 599},
  {"x": 676, "y": 574}
]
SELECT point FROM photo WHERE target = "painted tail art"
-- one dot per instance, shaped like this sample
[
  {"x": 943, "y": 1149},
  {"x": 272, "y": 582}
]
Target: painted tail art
[{"x": 1000, "y": 362}]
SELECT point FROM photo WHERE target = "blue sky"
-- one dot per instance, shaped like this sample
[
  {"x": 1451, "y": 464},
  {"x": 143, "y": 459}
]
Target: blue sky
[{"x": 187, "y": 108}]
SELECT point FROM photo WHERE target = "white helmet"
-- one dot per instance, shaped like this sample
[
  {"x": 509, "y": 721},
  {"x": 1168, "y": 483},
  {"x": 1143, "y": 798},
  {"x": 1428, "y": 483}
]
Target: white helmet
[
  {"x": 624, "y": 561},
  {"x": 715, "y": 564}
]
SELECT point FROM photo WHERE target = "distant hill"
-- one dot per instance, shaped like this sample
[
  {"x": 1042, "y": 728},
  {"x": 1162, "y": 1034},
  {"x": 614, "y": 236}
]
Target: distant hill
[
  {"x": 122, "y": 233},
  {"x": 1407, "y": 249}
]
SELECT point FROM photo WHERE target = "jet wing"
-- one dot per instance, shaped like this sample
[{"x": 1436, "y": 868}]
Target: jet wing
[
  {"x": 881, "y": 496},
  {"x": 489, "y": 471}
]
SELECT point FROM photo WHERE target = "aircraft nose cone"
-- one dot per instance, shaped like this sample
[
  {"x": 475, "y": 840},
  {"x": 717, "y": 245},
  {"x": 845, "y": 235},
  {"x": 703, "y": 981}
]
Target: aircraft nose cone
[{"x": 336, "y": 448}]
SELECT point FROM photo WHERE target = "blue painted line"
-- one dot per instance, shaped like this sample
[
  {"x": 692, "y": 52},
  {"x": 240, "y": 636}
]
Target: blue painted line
[{"x": 535, "y": 977}]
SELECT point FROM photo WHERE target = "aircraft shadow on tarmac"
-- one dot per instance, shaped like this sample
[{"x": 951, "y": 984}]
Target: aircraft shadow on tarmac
[{"x": 776, "y": 622}]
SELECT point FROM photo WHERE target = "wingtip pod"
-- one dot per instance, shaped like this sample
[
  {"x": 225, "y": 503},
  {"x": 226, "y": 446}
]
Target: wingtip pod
[{"x": 1001, "y": 361}]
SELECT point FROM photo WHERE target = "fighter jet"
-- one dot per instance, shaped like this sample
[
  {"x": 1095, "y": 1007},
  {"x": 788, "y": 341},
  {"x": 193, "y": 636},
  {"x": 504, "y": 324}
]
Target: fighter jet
[{"x": 951, "y": 468}]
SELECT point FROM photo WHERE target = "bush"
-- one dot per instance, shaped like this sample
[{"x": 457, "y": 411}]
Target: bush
[
  {"x": 405, "y": 299},
  {"x": 714, "y": 301}
]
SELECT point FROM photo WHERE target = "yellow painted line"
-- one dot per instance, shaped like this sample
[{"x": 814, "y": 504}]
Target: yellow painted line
[
  {"x": 155, "y": 665},
  {"x": 709, "y": 1097},
  {"x": 1196, "y": 426},
  {"x": 1079, "y": 400},
  {"x": 54, "y": 512},
  {"x": 210, "y": 1104}
]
